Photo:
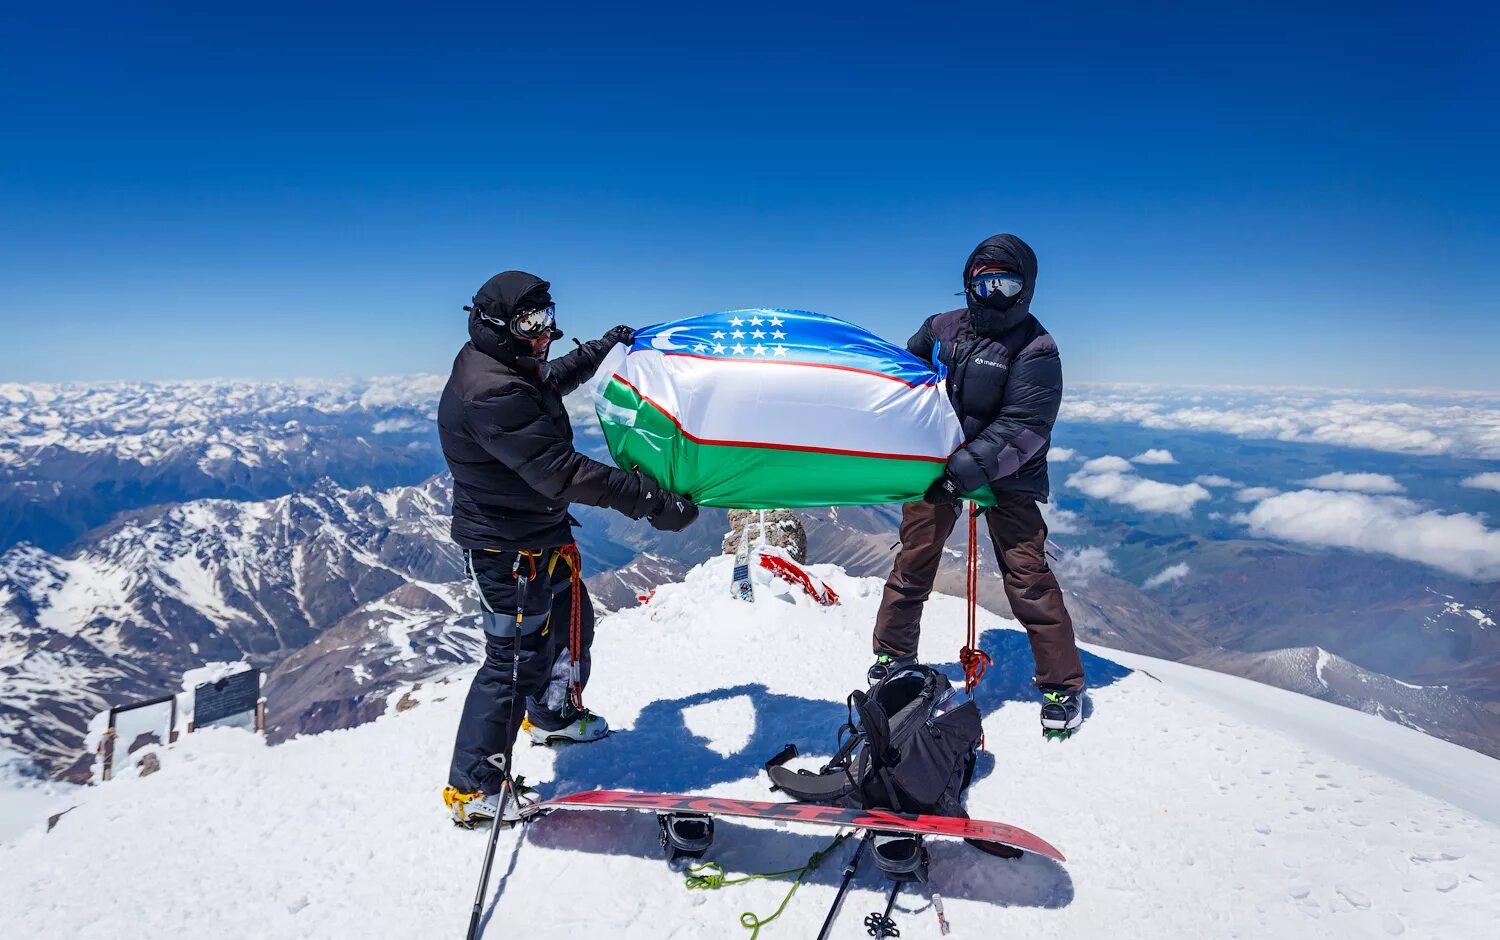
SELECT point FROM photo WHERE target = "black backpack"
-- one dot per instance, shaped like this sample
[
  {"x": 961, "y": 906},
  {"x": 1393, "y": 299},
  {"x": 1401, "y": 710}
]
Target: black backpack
[{"x": 909, "y": 746}]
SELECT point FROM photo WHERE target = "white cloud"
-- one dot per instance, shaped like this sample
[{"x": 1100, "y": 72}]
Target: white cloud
[
  {"x": 1213, "y": 479},
  {"x": 1357, "y": 482},
  {"x": 1107, "y": 464},
  {"x": 1167, "y": 575},
  {"x": 1483, "y": 481},
  {"x": 1460, "y": 424},
  {"x": 1254, "y": 494},
  {"x": 1112, "y": 478},
  {"x": 1075, "y": 567},
  {"x": 1061, "y": 454},
  {"x": 1390, "y": 525},
  {"x": 1156, "y": 455},
  {"x": 1060, "y": 521}
]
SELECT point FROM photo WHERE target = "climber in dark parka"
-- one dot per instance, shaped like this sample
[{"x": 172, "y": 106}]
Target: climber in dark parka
[
  {"x": 508, "y": 442},
  {"x": 1004, "y": 379}
]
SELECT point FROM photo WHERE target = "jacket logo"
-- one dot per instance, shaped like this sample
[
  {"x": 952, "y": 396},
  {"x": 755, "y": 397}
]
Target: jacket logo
[{"x": 989, "y": 362}]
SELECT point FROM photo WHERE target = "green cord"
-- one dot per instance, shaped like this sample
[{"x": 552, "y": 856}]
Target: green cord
[{"x": 710, "y": 876}]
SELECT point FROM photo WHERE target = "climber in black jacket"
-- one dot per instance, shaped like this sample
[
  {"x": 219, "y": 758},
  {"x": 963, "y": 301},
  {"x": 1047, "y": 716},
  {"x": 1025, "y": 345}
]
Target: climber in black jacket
[
  {"x": 1004, "y": 379},
  {"x": 508, "y": 442}
]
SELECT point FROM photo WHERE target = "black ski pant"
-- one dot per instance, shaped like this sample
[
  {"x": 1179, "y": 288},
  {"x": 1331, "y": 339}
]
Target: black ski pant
[
  {"x": 494, "y": 707},
  {"x": 1019, "y": 535}
]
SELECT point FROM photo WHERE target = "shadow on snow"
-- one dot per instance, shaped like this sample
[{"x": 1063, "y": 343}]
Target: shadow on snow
[{"x": 661, "y": 754}]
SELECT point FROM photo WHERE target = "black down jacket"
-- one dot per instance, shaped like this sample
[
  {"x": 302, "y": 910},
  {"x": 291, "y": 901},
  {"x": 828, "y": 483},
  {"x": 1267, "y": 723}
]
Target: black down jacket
[
  {"x": 1004, "y": 379},
  {"x": 509, "y": 444}
]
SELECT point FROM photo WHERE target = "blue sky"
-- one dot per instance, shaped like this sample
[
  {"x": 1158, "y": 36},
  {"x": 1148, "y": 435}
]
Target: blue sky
[{"x": 1280, "y": 195}]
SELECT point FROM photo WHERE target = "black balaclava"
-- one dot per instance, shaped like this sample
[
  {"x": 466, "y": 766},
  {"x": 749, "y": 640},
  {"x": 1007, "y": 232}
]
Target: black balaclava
[
  {"x": 991, "y": 318},
  {"x": 500, "y": 298}
]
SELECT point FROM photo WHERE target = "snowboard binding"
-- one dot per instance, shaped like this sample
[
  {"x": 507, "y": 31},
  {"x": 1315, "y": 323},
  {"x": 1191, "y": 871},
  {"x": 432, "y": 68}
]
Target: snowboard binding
[
  {"x": 685, "y": 835},
  {"x": 902, "y": 858},
  {"x": 1057, "y": 734}
]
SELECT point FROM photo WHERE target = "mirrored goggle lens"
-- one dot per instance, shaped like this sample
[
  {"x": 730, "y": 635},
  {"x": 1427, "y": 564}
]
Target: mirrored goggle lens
[
  {"x": 999, "y": 283},
  {"x": 532, "y": 323}
]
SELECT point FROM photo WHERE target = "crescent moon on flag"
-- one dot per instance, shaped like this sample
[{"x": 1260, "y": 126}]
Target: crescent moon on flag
[{"x": 663, "y": 340}]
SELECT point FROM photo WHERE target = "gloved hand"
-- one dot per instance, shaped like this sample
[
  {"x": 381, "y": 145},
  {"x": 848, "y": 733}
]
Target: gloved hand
[
  {"x": 676, "y": 513},
  {"x": 621, "y": 334},
  {"x": 944, "y": 492}
]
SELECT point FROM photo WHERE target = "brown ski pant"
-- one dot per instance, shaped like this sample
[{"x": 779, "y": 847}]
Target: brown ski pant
[{"x": 1019, "y": 535}]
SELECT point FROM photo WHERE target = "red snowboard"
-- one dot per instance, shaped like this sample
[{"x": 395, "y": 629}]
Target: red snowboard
[{"x": 878, "y": 820}]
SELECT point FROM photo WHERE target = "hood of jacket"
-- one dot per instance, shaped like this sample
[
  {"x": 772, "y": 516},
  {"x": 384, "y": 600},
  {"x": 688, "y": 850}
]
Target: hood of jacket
[
  {"x": 500, "y": 297},
  {"x": 1010, "y": 252}
]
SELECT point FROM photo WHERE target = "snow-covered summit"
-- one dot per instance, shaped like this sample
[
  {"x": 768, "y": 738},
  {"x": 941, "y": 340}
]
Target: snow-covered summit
[{"x": 1187, "y": 807}]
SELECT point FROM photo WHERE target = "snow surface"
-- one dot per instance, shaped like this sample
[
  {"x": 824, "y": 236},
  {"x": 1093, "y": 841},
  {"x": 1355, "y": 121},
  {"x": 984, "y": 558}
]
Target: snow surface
[{"x": 1191, "y": 805}]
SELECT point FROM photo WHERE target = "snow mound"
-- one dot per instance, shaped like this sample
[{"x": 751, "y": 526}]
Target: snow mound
[{"x": 1179, "y": 819}]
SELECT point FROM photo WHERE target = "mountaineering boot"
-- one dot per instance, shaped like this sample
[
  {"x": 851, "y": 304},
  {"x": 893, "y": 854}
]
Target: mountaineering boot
[
  {"x": 579, "y": 726},
  {"x": 1062, "y": 713},
  {"x": 471, "y": 809},
  {"x": 885, "y": 664}
]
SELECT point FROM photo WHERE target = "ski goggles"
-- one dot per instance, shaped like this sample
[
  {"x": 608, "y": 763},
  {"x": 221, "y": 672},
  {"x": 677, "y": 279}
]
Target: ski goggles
[
  {"x": 987, "y": 284},
  {"x": 531, "y": 324}
]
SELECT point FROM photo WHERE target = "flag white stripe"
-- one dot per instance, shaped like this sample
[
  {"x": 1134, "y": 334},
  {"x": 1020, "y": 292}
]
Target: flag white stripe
[{"x": 750, "y": 401}]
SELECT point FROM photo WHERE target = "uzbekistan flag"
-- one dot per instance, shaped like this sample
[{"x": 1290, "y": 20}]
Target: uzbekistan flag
[{"x": 758, "y": 409}]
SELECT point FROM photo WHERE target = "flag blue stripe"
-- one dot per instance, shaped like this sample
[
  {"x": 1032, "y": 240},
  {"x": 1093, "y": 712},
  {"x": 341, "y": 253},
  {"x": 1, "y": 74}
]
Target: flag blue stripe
[{"x": 769, "y": 335}]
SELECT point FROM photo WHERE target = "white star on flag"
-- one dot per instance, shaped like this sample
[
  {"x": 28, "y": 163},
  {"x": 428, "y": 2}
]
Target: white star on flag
[
  {"x": 718, "y": 334},
  {"x": 736, "y": 322},
  {"x": 756, "y": 321},
  {"x": 718, "y": 347},
  {"x": 757, "y": 333},
  {"x": 760, "y": 350},
  {"x": 738, "y": 334},
  {"x": 777, "y": 334},
  {"x": 739, "y": 350},
  {"x": 776, "y": 321},
  {"x": 781, "y": 350},
  {"x": 699, "y": 348}
]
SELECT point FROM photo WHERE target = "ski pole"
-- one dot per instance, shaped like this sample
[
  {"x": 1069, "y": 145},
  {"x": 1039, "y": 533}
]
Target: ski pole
[
  {"x": 489, "y": 859},
  {"x": 844, "y": 885},
  {"x": 881, "y": 925},
  {"x": 501, "y": 761}
]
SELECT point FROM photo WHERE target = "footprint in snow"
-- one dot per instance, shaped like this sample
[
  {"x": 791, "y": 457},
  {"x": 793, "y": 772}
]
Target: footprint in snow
[{"x": 1353, "y": 897}]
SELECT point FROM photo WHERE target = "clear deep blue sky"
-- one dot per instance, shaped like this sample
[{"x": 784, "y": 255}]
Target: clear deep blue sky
[{"x": 1271, "y": 195}]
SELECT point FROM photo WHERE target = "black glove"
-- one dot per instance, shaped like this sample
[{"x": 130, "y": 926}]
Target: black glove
[
  {"x": 944, "y": 492},
  {"x": 621, "y": 334},
  {"x": 675, "y": 513}
]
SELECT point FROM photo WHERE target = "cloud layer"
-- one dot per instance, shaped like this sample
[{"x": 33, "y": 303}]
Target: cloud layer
[
  {"x": 1356, "y": 482},
  {"x": 1452, "y": 423},
  {"x": 1459, "y": 543},
  {"x": 1167, "y": 575},
  {"x": 1483, "y": 481},
  {"x": 1114, "y": 479},
  {"x": 1156, "y": 455}
]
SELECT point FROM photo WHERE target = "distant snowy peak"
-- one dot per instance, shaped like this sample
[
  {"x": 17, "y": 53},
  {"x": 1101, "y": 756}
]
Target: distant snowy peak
[
  {"x": 1315, "y": 672},
  {"x": 160, "y": 591}
]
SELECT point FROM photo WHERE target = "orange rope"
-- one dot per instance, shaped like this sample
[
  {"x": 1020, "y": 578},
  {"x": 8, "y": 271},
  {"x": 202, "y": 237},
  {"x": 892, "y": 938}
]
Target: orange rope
[
  {"x": 569, "y": 554},
  {"x": 974, "y": 660}
]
